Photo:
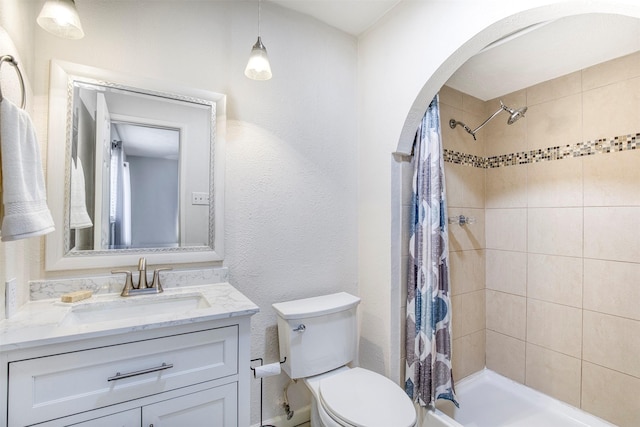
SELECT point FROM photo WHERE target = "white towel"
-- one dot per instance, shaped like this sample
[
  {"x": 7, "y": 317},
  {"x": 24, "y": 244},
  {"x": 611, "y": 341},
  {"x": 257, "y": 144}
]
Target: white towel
[
  {"x": 126, "y": 206},
  {"x": 24, "y": 198},
  {"x": 78, "y": 216}
]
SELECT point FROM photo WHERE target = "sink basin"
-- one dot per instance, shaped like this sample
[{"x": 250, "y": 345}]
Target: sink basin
[{"x": 132, "y": 307}]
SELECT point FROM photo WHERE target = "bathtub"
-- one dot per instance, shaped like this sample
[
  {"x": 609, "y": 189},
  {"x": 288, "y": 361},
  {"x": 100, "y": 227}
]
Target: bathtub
[{"x": 491, "y": 400}]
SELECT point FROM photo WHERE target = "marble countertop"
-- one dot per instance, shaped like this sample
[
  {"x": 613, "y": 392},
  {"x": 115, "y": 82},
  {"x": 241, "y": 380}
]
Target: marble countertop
[{"x": 49, "y": 321}]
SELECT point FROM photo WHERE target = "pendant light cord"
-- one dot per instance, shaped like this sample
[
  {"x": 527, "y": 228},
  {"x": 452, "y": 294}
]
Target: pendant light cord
[{"x": 259, "y": 15}]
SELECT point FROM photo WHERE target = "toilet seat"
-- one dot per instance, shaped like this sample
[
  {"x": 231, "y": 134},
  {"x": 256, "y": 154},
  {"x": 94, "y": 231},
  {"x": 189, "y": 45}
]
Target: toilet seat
[{"x": 361, "y": 398}]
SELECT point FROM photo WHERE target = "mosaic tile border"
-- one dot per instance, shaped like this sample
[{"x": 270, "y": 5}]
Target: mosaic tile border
[
  {"x": 464, "y": 159},
  {"x": 581, "y": 149}
]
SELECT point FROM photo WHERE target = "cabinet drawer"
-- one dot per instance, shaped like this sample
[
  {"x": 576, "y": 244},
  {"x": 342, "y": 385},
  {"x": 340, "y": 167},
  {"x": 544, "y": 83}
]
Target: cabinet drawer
[{"x": 55, "y": 386}]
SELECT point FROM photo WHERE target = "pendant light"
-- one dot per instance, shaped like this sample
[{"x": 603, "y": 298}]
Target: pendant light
[
  {"x": 60, "y": 17},
  {"x": 258, "y": 67}
]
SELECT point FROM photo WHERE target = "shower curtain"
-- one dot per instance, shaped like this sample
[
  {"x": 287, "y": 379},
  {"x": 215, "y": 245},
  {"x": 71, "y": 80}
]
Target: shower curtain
[{"x": 428, "y": 332}]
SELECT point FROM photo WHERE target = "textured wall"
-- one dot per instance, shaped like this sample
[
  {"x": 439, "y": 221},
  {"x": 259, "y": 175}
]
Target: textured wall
[{"x": 290, "y": 219}]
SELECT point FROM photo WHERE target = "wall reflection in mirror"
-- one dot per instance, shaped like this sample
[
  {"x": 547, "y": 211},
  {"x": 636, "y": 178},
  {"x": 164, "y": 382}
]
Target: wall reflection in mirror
[{"x": 129, "y": 187}]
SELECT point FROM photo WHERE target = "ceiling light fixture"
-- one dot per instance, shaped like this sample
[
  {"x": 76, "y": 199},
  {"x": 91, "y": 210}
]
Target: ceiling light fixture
[
  {"x": 60, "y": 17},
  {"x": 258, "y": 67}
]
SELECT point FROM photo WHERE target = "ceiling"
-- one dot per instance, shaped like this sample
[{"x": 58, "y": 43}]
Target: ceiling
[
  {"x": 145, "y": 141},
  {"x": 351, "y": 16},
  {"x": 545, "y": 52},
  {"x": 537, "y": 54}
]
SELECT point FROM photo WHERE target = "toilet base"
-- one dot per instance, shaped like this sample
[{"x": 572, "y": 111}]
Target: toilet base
[{"x": 318, "y": 420}]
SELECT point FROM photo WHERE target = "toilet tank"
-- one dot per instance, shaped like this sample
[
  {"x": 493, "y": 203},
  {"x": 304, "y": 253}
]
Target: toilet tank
[{"x": 317, "y": 334}]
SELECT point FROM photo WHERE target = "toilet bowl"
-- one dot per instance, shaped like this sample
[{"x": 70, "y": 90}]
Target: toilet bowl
[
  {"x": 358, "y": 398},
  {"x": 318, "y": 339}
]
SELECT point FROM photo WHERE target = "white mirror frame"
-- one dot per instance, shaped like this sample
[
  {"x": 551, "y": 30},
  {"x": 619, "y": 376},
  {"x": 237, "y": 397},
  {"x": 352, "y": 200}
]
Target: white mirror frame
[{"x": 60, "y": 94}]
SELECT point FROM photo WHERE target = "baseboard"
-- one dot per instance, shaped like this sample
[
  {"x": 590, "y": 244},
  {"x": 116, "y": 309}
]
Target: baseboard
[{"x": 300, "y": 416}]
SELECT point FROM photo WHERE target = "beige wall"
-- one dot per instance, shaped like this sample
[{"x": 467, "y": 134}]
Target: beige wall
[
  {"x": 465, "y": 196},
  {"x": 562, "y": 245}
]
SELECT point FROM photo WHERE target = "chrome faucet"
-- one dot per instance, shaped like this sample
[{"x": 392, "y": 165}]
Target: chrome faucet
[{"x": 143, "y": 287}]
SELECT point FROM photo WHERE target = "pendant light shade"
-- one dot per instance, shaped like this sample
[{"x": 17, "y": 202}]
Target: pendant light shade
[
  {"x": 60, "y": 17},
  {"x": 258, "y": 67}
]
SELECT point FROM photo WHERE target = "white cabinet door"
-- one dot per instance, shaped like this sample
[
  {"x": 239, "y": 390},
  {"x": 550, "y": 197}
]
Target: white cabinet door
[
  {"x": 130, "y": 418},
  {"x": 213, "y": 407}
]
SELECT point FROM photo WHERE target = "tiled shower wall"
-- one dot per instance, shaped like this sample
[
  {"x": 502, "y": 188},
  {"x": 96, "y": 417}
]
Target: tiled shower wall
[
  {"x": 467, "y": 258},
  {"x": 555, "y": 251}
]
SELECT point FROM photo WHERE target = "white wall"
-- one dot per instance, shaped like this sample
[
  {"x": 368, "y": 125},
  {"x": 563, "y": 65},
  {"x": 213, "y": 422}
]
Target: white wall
[
  {"x": 16, "y": 38},
  {"x": 290, "y": 220}
]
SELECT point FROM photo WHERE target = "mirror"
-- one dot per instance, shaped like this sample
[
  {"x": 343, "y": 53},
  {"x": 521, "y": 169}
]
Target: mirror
[{"x": 142, "y": 167}]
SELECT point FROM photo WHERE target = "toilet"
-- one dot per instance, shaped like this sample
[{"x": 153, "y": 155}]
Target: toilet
[{"x": 319, "y": 338}]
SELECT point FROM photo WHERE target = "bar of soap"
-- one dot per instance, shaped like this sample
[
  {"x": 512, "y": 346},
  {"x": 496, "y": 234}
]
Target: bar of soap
[{"x": 76, "y": 296}]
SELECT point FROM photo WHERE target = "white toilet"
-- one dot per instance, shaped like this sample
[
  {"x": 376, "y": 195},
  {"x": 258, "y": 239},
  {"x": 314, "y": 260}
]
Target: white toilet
[{"x": 318, "y": 336}]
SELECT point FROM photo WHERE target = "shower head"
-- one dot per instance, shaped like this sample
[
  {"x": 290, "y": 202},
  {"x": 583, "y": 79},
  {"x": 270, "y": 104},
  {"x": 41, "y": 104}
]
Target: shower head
[{"x": 514, "y": 116}]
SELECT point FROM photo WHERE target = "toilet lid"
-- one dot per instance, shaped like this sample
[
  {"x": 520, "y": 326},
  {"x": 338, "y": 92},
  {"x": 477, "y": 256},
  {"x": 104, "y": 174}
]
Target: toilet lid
[{"x": 365, "y": 399}]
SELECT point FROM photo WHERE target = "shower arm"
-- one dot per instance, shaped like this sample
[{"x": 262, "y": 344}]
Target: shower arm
[{"x": 453, "y": 123}]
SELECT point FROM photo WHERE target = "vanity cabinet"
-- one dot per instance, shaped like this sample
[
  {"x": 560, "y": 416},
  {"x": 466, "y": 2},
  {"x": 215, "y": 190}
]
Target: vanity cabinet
[
  {"x": 187, "y": 375},
  {"x": 213, "y": 407}
]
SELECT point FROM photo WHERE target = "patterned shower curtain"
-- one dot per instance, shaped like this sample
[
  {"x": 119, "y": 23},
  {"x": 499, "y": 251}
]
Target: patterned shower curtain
[{"x": 428, "y": 335}]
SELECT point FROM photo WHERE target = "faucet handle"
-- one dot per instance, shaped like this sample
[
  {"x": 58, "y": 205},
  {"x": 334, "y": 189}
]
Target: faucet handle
[
  {"x": 156, "y": 278},
  {"x": 128, "y": 282}
]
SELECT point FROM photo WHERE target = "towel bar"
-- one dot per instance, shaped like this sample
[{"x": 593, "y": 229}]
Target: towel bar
[{"x": 11, "y": 60}]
